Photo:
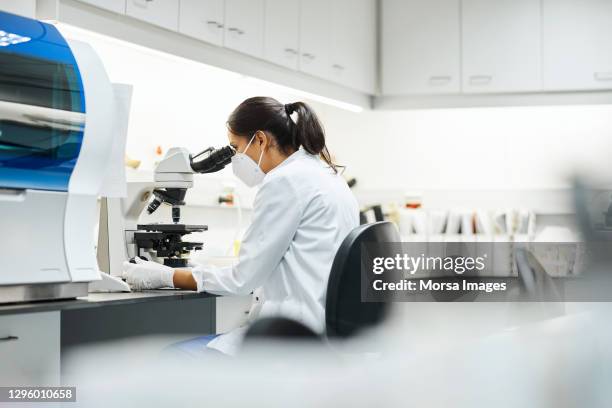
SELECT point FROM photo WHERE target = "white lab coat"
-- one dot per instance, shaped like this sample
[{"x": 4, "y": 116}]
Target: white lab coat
[{"x": 302, "y": 213}]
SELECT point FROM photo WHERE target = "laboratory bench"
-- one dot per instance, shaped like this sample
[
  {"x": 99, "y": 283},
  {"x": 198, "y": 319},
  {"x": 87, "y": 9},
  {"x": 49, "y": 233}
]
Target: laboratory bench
[{"x": 34, "y": 336}]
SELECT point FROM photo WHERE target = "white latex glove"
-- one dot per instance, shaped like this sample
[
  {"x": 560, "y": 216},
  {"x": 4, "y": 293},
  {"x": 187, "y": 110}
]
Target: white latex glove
[{"x": 147, "y": 275}]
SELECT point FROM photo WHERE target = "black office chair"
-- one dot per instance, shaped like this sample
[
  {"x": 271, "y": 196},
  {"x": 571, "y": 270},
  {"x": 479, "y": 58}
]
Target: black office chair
[
  {"x": 345, "y": 313},
  {"x": 280, "y": 328}
]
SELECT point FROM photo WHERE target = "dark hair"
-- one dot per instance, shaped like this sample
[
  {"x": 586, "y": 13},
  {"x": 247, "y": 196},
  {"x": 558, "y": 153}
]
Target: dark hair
[{"x": 268, "y": 114}]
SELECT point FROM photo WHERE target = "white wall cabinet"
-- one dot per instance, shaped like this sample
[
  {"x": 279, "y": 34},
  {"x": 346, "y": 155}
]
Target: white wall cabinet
[
  {"x": 315, "y": 32},
  {"x": 576, "y": 36},
  {"x": 244, "y": 26},
  {"x": 26, "y": 8},
  {"x": 342, "y": 54},
  {"x": 300, "y": 35},
  {"x": 163, "y": 13},
  {"x": 501, "y": 46},
  {"x": 116, "y": 6},
  {"x": 353, "y": 44},
  {"x": 203, "y": 19},
  {"x": 420, "y": 47},
  {"x": 281, "y": 37},
  {"x": 30, "y": 349}
]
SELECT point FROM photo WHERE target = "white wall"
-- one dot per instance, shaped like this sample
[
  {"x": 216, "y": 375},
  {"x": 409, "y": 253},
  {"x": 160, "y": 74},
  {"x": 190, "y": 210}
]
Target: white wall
[{"x": 474, "y": 149}]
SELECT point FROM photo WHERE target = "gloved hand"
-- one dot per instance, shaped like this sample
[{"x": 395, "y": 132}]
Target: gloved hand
[{"x": 147, "y": 275}]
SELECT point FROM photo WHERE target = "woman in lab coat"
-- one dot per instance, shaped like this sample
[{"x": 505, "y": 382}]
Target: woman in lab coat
[{"x": 302, "y": 212}]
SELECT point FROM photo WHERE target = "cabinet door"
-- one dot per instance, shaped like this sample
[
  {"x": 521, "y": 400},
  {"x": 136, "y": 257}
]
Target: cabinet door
[
  {"x": 117, "y": 6},
  {"x": 202, "y": 19},
  {"x": 26, "y": 8},
  {"x": 281, "y": 38},
  {"x": 420, "y": 47},
  {"x": 576, "y": 44},
  {"x": 315, "y": 31},
  {"x": 353, "y": 39},
  {"x": 30, "y": 349},
  {"x": 501, "y": 45},
  {"x": 244, "y": 20},
  {"x": 163, "y": 13}
]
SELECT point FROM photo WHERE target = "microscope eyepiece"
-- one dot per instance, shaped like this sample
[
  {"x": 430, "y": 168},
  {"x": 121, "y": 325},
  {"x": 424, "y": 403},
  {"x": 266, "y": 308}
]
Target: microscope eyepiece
[{"x": 216, "y": 160}]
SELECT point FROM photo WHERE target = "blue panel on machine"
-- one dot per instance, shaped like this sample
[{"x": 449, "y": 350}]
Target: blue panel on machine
[{"x": 42, "y": 106}]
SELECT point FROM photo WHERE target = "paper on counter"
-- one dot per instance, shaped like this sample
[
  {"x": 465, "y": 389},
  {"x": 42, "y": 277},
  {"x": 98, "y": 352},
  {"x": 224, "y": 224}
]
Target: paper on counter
[
  {"x": 436, "y": 221},
  {"x": 500, "y": 222},
  {"x": 453, "y": 223},
  {"x": 419, "y": 221},
  {"x": 405, "y": 221},
  {"x": 526, "y": 222},
  {"x": 467, "y": 224},
  {"x": 484, "y": 223}
]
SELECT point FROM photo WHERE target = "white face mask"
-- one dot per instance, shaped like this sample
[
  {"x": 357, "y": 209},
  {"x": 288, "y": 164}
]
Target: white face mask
[{"x": 246, "y": 169}]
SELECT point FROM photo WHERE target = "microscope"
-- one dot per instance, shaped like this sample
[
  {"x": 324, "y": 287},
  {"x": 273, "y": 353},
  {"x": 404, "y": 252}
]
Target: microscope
[{"x": 122, "y": 238}]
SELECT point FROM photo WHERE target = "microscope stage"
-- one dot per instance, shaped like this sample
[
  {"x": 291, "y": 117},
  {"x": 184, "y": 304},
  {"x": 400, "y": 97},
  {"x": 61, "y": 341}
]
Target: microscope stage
[{"x": 173, "y": 228}]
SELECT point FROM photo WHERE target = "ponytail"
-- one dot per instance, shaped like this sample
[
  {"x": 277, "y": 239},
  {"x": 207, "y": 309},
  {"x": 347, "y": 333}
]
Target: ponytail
[
  {"x": 268, "y": 114},
  {"x": 307, "y": 131}
]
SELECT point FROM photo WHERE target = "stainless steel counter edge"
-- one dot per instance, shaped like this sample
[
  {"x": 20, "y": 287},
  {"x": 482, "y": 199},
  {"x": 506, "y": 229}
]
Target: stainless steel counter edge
[{"x": 102, "y": 300}]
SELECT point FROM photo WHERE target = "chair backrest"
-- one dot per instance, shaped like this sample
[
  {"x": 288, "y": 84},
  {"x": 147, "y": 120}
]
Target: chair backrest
[
  {"x": 280, "y": 328},
  {"x": 345, "y": 313}
]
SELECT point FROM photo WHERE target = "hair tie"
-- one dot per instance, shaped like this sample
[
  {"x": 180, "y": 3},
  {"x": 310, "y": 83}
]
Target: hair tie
[{"x": 289, "y": 109}]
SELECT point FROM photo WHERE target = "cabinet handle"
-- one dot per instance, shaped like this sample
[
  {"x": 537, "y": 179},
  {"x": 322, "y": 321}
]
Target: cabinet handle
[
  {"x": 480, "y": 79},
  {"x": 603, "y": 76},
  {"x": 338, "y": 67},
  {"x": 291, "y": 51},
  {"x": 308, "y": 55},
  {"x": 235, "y": 30},
  {"x": 9, "y": 338},
  {"x": 214, "y": 23},
  {"x": 438, "y": 80},
  {"x": 141, "y": 3}
]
